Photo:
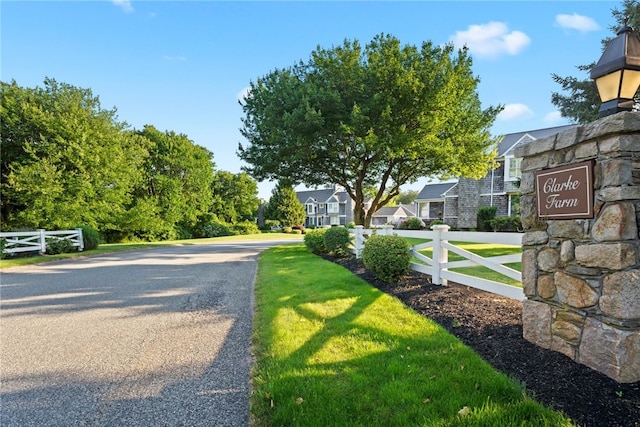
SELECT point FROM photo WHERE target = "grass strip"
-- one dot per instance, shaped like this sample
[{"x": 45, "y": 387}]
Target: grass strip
[
  {"x": 333, "y": 351},
  {"x": 35, "y": 258}
]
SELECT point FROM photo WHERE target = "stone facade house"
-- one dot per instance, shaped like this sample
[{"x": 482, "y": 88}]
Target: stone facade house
[{"x": 457, "y": 203}]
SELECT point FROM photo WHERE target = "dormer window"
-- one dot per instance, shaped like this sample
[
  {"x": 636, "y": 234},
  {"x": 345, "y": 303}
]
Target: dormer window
[{"x": 512, "y": 168}]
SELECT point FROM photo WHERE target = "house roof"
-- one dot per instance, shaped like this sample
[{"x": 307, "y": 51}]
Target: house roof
[
  {"x": 510, "y": 140},
  {"x": 325, "y": 195},
  {"x": 400, "y": 211},
  {"x": 435, "y": 191},
  {"x": 318, "y": 196}
]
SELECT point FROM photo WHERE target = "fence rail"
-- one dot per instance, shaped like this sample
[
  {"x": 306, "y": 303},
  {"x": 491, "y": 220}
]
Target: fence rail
[
  {"x": 438, "y": 266},
  {"x": 32, "y": 241}
]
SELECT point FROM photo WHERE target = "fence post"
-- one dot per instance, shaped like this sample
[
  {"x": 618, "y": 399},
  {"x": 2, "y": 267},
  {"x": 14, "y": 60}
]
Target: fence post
[
  {"x": 440, "y": 254},
  {"x": 43, "y": 241},
  {"x": 359, "y": 240},
  {"x": 387, "y": 230},
  {"x": 80, "y": 240}
]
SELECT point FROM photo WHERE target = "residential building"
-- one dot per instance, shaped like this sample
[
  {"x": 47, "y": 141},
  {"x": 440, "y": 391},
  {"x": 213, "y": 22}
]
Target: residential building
[
  {"x": 326, "y": 207},
  {"x": 457, "y": 203},
  {"x": 392, "y": 215}
]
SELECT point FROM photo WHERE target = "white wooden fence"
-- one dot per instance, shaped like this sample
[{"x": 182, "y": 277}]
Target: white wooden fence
[
  {"x": 32, "y": 241},
  {"x": 439, "y": 266}
]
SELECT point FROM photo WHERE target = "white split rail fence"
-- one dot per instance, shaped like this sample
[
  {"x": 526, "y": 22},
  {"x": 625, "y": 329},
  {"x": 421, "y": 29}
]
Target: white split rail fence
[
  {"x": 439, "y": 266},
  {"x": 32, "y": 241}
]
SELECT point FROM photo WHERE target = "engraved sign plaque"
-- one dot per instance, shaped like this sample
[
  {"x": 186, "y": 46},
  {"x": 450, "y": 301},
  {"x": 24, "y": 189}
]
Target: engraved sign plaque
[{"x": 565, "y": 192}]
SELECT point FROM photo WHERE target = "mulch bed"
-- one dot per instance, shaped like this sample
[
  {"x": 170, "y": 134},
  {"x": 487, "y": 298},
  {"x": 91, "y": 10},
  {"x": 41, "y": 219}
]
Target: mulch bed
[{"x": 492, "y": 326}]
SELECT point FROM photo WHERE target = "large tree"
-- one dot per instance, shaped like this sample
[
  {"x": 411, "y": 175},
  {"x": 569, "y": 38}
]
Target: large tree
[
  {"x": 66, "y": 161},
  {"x": 177, "y": 185},
  {"x": 379, "y": 116},
  {"x": 235, "y": 197},
  {"x": 579, "y": 100}
]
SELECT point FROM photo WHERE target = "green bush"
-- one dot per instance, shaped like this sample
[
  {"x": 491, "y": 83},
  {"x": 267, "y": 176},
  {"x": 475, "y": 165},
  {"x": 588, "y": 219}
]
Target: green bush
[
  {"x": 485, "y": 215},
  {"x": 388, "y": 257},
  {"x": 57, "y": 246},
  {"x": 506, "y": 223},
  {"x": 90, "y": 237},
  {"x": 336, "y": 241},
  {"x": 217, "y": 229},
  {"x": 314, "y": 240},
  {"x": 3, "y": 244},
  {"x": 246, "y": 227},
  {"x": 414, "y": 223},
  {"x": 287, "y": 230},
  {"x": 351, "y": 225}
]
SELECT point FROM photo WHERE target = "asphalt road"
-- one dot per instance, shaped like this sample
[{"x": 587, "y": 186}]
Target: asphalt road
[{"x": 159, "y": 337}]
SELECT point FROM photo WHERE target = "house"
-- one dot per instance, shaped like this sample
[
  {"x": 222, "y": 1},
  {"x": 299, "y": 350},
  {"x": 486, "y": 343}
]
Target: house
[
  {"x": 392, "y": 215},
  {"x": 457, "y": 203},
  {"x": 333, "y": 206},
  {"x": 326, "y": 207}
]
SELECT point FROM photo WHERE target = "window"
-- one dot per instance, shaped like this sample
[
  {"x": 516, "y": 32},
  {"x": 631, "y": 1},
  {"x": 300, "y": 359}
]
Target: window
[
  {"x": 513, "y": 168},
  {"x": 335, "y": 220},
  {"x": 332, "y": 208},
  {"x": 514, "y": 204},
  {"x": 311, "y": 208},
  {"x": 424, "y": 210}
]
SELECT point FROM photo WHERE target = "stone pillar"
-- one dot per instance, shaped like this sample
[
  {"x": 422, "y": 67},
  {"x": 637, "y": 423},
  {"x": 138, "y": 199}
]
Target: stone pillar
[{"x": 581, "y": 277}]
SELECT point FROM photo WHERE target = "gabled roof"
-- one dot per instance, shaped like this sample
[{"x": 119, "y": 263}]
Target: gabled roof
[
  {"x": 510, "y": 140},
  {"x": 315, "y": 196},
  {"x": 435, "y": 191},
  {"x": 410, "y": 209},
  {"x": 388, "y": 211},
  {"x": 325, "y": 195}
]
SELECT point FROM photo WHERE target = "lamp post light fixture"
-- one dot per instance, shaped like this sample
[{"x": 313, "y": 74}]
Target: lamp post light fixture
[{"x": 617, "y": 73}]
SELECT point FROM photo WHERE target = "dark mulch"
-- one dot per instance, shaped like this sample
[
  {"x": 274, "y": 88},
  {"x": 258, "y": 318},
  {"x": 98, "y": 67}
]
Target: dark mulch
[{"x": 492, "y": 326}]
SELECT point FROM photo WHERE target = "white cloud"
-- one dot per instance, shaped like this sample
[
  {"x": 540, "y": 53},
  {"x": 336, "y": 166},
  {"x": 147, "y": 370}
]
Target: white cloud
[
  {"x": 577, "y": 22},
  {"x": 124, "y": 4},
  {"x": 491, "y": 40},
  {"x": 554, "y": 117},
  {"x": 515, "y": 112}
]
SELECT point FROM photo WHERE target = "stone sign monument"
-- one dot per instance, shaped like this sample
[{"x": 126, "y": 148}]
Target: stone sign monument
[{"x": 580, "y": 208}]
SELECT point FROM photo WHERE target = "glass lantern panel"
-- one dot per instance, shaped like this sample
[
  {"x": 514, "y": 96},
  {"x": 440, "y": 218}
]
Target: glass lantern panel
[
  {"x": 608, "y": 86},
  {"x": 630, "y": 83}
]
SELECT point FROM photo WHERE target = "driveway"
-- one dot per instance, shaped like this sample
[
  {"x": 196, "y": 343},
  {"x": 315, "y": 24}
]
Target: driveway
[{"x": 159, "y": 337}]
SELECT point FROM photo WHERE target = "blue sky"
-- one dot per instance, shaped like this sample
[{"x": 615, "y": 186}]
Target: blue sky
[{"x": 182, "y": 66}]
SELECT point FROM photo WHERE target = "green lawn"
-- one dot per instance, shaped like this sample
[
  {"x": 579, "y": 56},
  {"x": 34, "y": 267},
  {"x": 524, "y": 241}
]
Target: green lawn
[{"x": 333, "y": 351}]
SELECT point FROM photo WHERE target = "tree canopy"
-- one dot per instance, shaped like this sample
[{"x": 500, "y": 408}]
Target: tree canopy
[
  {"x": 376, "y": 116},
  {"x": 579, "y": 100},
  {"x": 68, "y": 162},
  {"x": 284, "y": 206}
]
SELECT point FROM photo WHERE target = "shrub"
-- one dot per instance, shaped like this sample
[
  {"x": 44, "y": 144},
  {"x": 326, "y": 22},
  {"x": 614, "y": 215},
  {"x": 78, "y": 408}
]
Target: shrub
[
  {"x": 90, "y": 237},
  {"x": 246, "y": 227},
  {"x": 3, "y": 244},
  {"x": 287, "y": 230},
  {"x": 506, "y": 223},
  {"x": 57, "y": 246},
  {"x": 217, "y": 229},
  {"x": 336, "y": 241},
  {"x": 414, "y": 223},
  {"x": 485, "y": 215},
  {"x": 388, "y": 257},
  {"x": 351, "y": 225},
  {"x": 314, "y": 240}
]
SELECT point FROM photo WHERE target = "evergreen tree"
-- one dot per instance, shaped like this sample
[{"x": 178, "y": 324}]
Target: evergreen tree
[
  {"x": 284, "y": 206},
  {"x": 582, "y": 102}
]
